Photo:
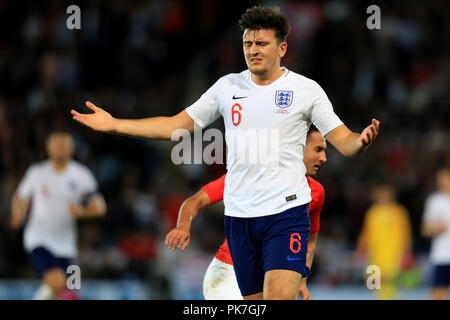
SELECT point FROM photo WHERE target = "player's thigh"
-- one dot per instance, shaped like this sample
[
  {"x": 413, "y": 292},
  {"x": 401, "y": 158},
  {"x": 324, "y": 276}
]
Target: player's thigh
[
  {"x": 220, "y": 282},
  {"x": 44, "y": 260},
  {"x": 246, "y": 253},
  {"x": 281, "y": 285},
  {"x": 286, "y": 241}
]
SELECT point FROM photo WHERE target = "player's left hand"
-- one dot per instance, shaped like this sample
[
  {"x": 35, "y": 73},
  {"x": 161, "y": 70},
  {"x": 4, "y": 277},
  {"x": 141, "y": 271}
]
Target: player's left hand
[
  {"x": 76, "y": 210},
  {"x": 304, "y": 292},
  {"x": 369, "y": 134}
]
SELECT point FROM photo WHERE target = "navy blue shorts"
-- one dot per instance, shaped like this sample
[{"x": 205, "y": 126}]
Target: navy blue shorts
[
  {"x": 260, "y": 244},
  {"x": 441, "y": 276},
  {"x": 44, "y": 260}
]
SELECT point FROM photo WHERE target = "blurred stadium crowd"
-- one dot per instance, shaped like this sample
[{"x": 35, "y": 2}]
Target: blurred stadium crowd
[{"x": 154, "y": 58}]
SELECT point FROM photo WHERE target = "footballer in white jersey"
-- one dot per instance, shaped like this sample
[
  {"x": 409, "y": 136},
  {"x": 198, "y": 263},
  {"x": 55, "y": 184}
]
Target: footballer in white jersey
[
  {"x": 279, "y": 115},
  {"x": 51, "y": 224},
  {"x": 436, "y": 225},
  {"x": 265, "y": 185},
  {"x": 60, "y": 190}
]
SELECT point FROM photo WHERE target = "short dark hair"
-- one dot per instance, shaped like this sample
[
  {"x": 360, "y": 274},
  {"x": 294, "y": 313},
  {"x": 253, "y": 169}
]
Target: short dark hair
[
  {"x": 257, "y": 18},
  {"x": 312, "y": 128}
]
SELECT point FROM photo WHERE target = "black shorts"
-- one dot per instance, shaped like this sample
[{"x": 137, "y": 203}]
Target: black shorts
[
  {"x": 44, "y": 260},
  {"x": 441, "y": 275}
]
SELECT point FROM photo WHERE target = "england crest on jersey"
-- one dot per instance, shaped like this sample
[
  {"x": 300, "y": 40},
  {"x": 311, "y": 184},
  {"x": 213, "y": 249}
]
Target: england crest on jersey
[{"x": 283, "y": 98}]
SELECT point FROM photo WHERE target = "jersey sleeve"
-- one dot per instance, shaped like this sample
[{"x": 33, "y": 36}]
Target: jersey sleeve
[
  {"x": 214, "y": 189},
  {"x": 27, "y": 184},
  {"x": 205, "y": 110},
  {"x": 316, "y": 204},
  {"x": 322, "y": 114},
  {"x": 430, "y": 214},
  {"x": 90, "y": 186}
]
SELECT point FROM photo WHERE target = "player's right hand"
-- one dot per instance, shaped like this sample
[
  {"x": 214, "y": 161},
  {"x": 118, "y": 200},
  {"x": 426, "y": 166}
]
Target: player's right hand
[
  {"x": 178, "y": 237},
  {"x": 100, "y": 120}
]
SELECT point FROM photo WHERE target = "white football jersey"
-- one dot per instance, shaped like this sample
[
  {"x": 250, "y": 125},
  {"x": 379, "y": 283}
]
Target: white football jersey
[
  {"x": 265, "y": 133},
  {"x": 50, "y": 223},
  {"x": 437, "y": 211}
]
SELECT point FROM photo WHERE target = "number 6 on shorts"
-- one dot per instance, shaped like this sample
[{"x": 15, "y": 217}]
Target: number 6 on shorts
[{"x": 295, "y": 244}]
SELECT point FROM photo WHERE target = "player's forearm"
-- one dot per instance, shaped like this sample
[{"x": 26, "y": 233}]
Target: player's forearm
[
  {"x": 431, "y": 230},
  {"x": 190, "y": 208},
  {"x": 351, "y": 145},
  {"x": 95, "y": 208},
  {"x": 151, "y": 128},
  {"x": 311, "y": 248},
  {"x": 309, "y": 257},
  {"x": 154, "y": 128},
  {"x": 188, "y": 212},
  {"x": 19, "y": 208},
  {"x": 310, "y": 254}
]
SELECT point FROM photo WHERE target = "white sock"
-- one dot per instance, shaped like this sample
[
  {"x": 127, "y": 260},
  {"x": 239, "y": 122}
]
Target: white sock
[{"x": 44, "y": 293}]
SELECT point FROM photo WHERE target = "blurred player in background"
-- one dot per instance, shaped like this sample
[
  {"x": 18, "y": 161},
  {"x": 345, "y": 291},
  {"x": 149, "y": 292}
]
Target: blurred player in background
[
  {"x": 59, "y": 190},
  {"x": 436, "y": 225},
  {"x": 220, "y": 281},
  {"x": 386, "y": 238},
  {"x": 265, "y": 97}
]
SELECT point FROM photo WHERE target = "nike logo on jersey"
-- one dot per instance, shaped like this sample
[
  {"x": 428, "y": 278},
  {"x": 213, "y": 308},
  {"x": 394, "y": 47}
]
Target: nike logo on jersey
[
  {"x": 292, "y": 259},
  {"x": 235, "y": 98}
]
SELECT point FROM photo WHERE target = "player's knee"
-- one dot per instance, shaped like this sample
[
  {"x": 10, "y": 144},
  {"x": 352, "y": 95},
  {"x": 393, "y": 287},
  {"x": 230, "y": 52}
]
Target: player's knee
[
  {"x": 281, "y": 285},
  {"x": 438, "y": 294},
  {"x": 280, "y": 291},
  {"x": 286, "y": 294},
  {"x": 56, "y": 280}
]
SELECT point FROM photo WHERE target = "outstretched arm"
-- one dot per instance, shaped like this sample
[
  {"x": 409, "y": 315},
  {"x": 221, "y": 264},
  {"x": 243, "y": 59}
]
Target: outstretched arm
[
  {"x": 19, "y": 209},
  {"x": 181, "y": 234},
  {"x": 151, "y": 128},
  {"x": 349, "y": 143}
]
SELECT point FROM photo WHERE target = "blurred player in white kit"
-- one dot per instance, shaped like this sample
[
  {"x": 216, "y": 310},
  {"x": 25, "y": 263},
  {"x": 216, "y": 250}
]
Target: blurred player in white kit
[
  {"x": 436, "y": 225},
  {"x": 61, "y": 190}
]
